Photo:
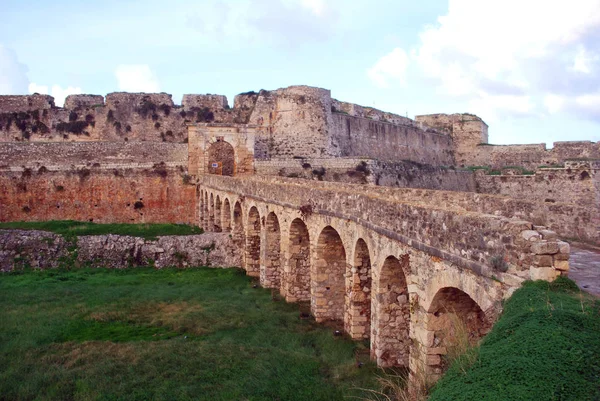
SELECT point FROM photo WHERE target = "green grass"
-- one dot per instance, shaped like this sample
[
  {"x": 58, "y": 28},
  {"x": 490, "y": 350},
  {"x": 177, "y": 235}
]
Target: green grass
[
  {"x": 546, "y": 346},
  {"x": 144, "y": 334},
  {"x": 74, "y": 228}
]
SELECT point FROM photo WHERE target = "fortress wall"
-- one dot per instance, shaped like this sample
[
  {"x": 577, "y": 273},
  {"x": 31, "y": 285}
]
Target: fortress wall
[
  {"x": 498, "y": 156},
  {"x": 369, "y": 171},
  {"x": 298, "y": 118},
  {"x": 357, "y": 136},
  {"x": 575, "y": 185},
  {"x": 62, "y": 155},
  {"x": 15, "y": 104},
  {"x": 532, "y": 156},
  {"x": 466, "y": 130},
  {"x": 576, "y": 150},
  {"x": 103, "y": 196}
]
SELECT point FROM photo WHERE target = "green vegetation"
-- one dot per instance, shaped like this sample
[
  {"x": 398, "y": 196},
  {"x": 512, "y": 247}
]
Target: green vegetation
[
  {"x": 544, "y": 347},
  {"x": 70, "y": 228},
  {"x": 143, "y": 334}
]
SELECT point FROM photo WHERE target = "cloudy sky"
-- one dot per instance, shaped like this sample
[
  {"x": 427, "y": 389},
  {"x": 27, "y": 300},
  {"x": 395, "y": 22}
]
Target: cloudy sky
[{"x": 529, "y": 68}]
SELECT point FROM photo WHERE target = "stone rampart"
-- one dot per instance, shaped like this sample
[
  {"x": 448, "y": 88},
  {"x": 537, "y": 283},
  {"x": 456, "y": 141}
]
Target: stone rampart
[
  {"x": 357, "y": 136},
  {"x": 45, "y": 250},
  {"x": 531, "y": 156},
  {"x": 403, "y": 174},
  {"x": 157, "y": 194},
  {"x": 63, "y": 155}
]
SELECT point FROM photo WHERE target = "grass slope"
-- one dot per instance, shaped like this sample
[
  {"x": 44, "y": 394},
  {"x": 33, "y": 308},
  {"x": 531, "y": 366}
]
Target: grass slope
[
  {"x": 141, "y": 334},
  {"x": 546, "y": 346},
  {"x": 74, "y": 228}
]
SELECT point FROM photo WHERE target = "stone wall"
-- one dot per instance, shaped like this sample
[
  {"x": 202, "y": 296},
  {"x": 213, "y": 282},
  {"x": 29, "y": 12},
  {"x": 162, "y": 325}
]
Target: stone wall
[
  {"x": 575, "y": 183},
  {"x": 62, "y": 155},
  {"x": 449, "y": 229},
  {"x": 466, "y": 130},
  {"x": 403, "y": 174},
  {"x": 357, "y": 136},
  {"x": 45, "y": 250},
  {"x": 156, "y": 194},
  {"x": 530, "y": 156},
  {"x": 298, "y": 120}
]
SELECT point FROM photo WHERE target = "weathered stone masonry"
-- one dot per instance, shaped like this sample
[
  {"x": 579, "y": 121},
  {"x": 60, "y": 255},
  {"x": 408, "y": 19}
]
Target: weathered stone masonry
[{"x": 390, "y": 270}]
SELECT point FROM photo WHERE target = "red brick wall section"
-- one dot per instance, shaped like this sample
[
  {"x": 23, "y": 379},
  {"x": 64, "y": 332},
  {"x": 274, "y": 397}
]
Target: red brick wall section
[{"x": 103, "y": 196}]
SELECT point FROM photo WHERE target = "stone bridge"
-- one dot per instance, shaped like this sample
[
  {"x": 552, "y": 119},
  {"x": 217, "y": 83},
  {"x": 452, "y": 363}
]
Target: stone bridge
[{"x": 396, "y": 266}]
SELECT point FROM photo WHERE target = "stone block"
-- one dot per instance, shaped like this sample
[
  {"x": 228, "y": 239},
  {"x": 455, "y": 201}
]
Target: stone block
[
  {"x": 530, "y": 235},
  {"x": 548, "y": 235},
  {"x": 562, "y": 265},
  {"x": 543, "y": 273},
  {"x": 544, "y": 248},
  {"x": 542, "y": 260},
  {"x": 433, "y": 360},
  {"x": 564, "y": 247}
]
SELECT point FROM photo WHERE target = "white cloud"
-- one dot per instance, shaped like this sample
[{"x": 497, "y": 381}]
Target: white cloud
[
  {"x": 554, "y": 103},
  {"x": 136, "y": 78},
  {"x": 13, "y": 74},
  {"x": 57, "y": 92},
  {"x": 505, "y": 57},
  {"x": 390, "y": 68},
  {"x": 280, "y": 22},
  {"x": 318, "y": 7}
]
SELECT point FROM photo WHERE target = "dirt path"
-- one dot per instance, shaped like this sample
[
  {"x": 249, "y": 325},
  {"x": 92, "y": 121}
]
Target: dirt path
[{"x": 585, "y": 269}]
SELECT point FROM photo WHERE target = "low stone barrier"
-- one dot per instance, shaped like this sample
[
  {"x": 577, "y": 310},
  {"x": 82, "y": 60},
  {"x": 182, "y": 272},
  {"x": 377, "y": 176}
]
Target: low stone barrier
[{"x": 46, "y": 250}]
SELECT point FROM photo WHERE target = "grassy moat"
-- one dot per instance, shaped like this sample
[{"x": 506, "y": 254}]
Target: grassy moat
[
  {"x": 143, "y": 334},
  {"x": 70, "y": 228},
  {"x": 213, "y": 334}
]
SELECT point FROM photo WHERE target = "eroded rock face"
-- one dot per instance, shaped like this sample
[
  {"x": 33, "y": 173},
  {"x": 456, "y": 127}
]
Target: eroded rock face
[{"x": 44, "y": 250}]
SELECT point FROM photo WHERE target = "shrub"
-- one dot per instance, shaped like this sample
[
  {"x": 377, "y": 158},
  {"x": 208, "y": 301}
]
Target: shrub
[
  {"x": 73, "y": 116},
  {"x": 138, "y": 205}
]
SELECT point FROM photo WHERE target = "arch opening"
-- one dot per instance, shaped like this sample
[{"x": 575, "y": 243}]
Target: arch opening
[
  {"x": 357, "y": 319},
  {"x": 253, "y": 243},
  {"x": 206, "y": 213},
  {"x": 211, "y": 213},
  {"x": 328, "y": 285},
  {"x": 201, "y": 211},
  {"x": 217, "y": 220},
  {"x": 391, "y": 315},
  {"x": 237, "y": 234},
  {"x": 270, "y": 271},
  {"x": 457, "y": 322},
  {"x": 226, "y": 216},
  {"x": 221, "y": 158},
  {"x": 295, "y": 280}
]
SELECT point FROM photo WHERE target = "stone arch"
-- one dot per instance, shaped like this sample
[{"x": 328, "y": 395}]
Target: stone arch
[
  {"x": 328, "y": 287},
  {"x": 211, "y": 213},
  {"x": 217, "y": 221},
  {"x": 238, "y": 234},
  {"x": 206, "y": 212},
  {"x": 221, "y": 158},
  {"x": 253, "y": 243},
  {"x": 390, "y": 319},
  {"x": 357, "y": 316},
  {"x": 456, "y": 322},
  {"x": 201, "y": 210},
  {"x": 270, "y": 270},
  {"x": 226, "y": 216},
  {"x": 295, "y": 280}
]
